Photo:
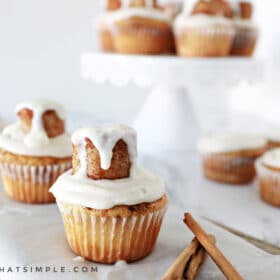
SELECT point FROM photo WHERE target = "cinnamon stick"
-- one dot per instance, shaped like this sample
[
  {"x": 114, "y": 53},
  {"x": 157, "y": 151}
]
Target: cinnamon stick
[
  {"x": 188, "y": 263},
  {"x": 224, "y": 265},
  {"x": 193, "y": 267}
]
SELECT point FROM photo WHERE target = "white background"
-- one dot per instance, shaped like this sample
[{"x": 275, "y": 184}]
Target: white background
[{"x": 41, "y": 43}]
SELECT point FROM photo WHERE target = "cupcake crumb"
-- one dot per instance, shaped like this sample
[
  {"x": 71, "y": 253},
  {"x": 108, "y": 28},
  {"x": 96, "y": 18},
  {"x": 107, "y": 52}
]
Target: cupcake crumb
[
  {"x": 78, "y": 259},
  {"x": 121, "y": 264}
]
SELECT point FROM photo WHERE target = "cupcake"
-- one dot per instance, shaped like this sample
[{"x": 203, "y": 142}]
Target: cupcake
[
  {"x": 229, "y": 158},
  {"x": 112, "y": 209},
  {"x": 34, "y": 151},
  {"x": 268, "y": 170},
  {"x": 135, "y": 27},
  {"x": 273, "y": 140},
  {"x": 204, "y": 29},
  {"x": 246, "y": 32}
]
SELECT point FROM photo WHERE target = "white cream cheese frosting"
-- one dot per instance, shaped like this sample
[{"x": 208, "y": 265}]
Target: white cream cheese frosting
[
  {"x": 110, "y": 17},
  {"x": 239, "y": 22},
  {"x": 272, "y": 158},
  {"x": 36, "y": 142},
  {"x": 188, "y": 6},
  {"x": 201, "y": 20},
  {"x": 104, "y": 138},
  {"x": 141, "y": 187},
  {"x": 230, "y": 142}
]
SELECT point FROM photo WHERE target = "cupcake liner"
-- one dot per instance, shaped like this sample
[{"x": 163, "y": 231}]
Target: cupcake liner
[
  {"x": 108, "y": 239},
  {"x": 143, "y": 40},
  {"x": 269, "y": 184},
  {"x": 204, "y": 41},
  {"x": 106, "y": 41},
  {"x": 30, "y": 184},
  {"x": 228, "y": 169},
  {"x": 244, "y": 42}
]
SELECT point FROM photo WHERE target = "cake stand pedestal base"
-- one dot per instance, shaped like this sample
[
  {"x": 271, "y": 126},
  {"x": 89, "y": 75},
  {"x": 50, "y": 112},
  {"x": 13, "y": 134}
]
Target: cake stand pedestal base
[{"x": 167, "y": 122}]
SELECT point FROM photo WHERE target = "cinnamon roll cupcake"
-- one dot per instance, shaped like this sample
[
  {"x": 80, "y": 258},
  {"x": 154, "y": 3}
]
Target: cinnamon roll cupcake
[
  {"x": 104, "y": 26},
  {"x": 229, "y": 158},
  {"x": 204, "y": 29},
  {"x": 112, "y": 209},
  {"x": 34, "y": 151},
  {"x": 246, "y": 32},
  {"x": 135, "y": 27},
  {"x": 268, "y": 170}
]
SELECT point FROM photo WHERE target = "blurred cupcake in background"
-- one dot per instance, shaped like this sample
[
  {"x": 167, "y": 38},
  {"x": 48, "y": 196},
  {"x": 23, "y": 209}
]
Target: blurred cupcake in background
[
  {"x": 204, "y": 28},
  {"x": 34, "y": 151},
  {"x": 229, "y": 158},
  {"x": 135, "y": 27},
  {"x": 246, "y": 32},
  {"x": 268, "y": 170},
  {"x": 273, "y": 139},
  {"x": 112, "y": 208}
]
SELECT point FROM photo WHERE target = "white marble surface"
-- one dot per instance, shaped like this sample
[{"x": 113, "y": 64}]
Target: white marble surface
[
  {"x": 33, "y": 236},
  {"x": 238, "y": 207}
]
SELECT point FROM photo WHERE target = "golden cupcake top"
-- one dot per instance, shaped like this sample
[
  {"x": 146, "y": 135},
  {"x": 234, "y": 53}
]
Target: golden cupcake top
[
  {"x": 112, "y": 5},
  {"x": 213, "y": 7},
  {"x": 245, "y": 10}
]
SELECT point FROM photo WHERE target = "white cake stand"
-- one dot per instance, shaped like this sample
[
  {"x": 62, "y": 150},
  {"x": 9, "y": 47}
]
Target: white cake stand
[{"x": 167, "y": 120}]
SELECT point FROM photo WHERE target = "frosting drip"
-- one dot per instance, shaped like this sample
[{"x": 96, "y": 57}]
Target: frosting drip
[
  {"x": 272, "y": 158},
  {"x": 104, "y": 138},
  {"x": 188, "y": 6},
  {"x": 141, "y": 187},
  {"x": 37, "y": 135},
  {"x": 230, "y": 142}
]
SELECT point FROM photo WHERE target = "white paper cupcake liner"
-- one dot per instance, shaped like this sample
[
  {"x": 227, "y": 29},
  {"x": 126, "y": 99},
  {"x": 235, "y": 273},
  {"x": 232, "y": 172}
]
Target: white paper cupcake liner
[
  {"x": 228, "y": 169},
  {"x": 204, "y": 40},
  {"x": 209, "y": 30},
  {"x": 230, "y": 163},
  {"x": 244, "y": 39},
  {"x": 269, "y": 184},
  {"x": 107, "y": 239},
  {"x": 29, "y": 183}
]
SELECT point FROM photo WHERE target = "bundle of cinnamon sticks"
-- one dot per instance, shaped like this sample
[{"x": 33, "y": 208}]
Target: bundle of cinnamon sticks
[{"x": 189, "y": 262}]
